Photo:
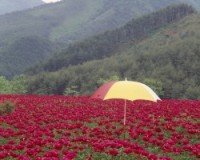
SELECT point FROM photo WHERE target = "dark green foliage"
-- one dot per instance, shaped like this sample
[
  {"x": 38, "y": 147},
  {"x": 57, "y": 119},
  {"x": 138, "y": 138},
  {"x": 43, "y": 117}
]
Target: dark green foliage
[
  {"x": 155, "y": 85},
  {"x": 106, "y": 45},
  {"x": 170, "y": 57},
  {"x": 22, "y": 53},
  {"x": 174, "y": 68},
  {"x": 72, "y": 90},
  {"x": 6, "y": 107},
  {"x": 5, "y": 86},
  {"x": 17, "y": 85}
]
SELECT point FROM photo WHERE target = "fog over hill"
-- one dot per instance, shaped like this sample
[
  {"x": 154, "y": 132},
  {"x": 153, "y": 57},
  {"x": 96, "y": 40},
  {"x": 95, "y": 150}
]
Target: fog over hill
[{"x": 7, "y": 6}]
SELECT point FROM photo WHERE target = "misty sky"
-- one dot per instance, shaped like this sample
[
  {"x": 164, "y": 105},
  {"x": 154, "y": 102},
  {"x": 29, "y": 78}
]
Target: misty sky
[{"x": 49, "y": 1}]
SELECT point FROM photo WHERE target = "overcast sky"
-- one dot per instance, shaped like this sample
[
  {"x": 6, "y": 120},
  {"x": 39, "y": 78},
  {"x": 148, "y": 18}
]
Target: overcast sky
[{"x": 49, "y": 1}]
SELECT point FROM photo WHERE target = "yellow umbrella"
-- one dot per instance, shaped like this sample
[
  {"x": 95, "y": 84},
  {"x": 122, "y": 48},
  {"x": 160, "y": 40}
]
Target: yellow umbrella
[{"x": 127, "y": 90}]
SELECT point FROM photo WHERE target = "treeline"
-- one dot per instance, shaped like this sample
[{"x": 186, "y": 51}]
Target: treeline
[
  {"x": 106, "y": 45},
  {"x": 17, "y": 85}
]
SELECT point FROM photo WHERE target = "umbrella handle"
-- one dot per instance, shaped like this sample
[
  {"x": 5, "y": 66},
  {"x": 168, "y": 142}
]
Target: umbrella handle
[{"x": 125, "y": 112}]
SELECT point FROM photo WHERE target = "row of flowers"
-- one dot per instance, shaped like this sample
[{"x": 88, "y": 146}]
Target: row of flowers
[{"x": 59, "y": 127}]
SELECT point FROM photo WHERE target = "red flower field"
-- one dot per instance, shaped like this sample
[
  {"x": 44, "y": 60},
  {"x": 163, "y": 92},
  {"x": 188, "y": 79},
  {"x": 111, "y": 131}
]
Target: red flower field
[{"x": 66, "y": 128}]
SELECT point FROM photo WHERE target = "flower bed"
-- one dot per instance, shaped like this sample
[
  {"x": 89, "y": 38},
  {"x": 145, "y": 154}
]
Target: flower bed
[{"x": 59, "y": 127}]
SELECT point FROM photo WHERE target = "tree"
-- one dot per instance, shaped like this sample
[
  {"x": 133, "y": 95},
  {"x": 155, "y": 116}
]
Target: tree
[
  {"x": 111, "y": 78},
  {"x": 19, "y": 84},
  {"x": 5, "y": 86},
  {"x": 71, "y": 90},
  {"x": 155, "y": 85}
]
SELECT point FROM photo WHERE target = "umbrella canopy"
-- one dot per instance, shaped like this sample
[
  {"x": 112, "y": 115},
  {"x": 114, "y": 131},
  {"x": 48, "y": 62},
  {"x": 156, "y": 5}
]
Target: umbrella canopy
[{"x": 128, "y": 90}]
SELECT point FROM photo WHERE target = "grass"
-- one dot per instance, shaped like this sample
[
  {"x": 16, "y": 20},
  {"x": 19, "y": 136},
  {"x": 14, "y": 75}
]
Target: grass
[
  {"x": 3, "y": 141},
  {"x": 182, "y": 156}
]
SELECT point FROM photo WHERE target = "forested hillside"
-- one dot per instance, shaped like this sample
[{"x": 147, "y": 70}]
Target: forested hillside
[
  {"x": 168, "y": 61},
  {"x": 194, "y": 3},
  {"x": 71, "y": 19},
  {"x": 107, "y": 44},
  {"x": 66, "y": 22},
  {"x": 7, "y": 6},
  {"x": 23, "y": 52}
]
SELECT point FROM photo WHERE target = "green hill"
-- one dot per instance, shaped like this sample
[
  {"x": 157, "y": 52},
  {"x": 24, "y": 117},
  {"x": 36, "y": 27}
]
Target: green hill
[
  {"x": 23, "y": 52},
  {"x": 7, "y": 6},
  {"x": 107, "y": 44},
  {"x": 66, "y": 22},
  {"x": 168, "y": 61},
  {"x": 71, "y": 20},
  {"x": 68, "y": 19}
]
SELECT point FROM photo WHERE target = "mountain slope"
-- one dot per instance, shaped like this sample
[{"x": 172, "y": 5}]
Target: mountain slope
[
  {"x": 69, "y": 21},
  {"x": 7, "y": 6},
  {"x": 194, "y": 3},
  {"x": 24, "y": 51},
  {"x": 106, "y": 44},
  {"x": 169, "y": 58}
]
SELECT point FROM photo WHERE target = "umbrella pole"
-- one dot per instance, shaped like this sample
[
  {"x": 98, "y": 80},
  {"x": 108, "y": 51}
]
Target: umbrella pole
[{"x": 125, "y": 112}]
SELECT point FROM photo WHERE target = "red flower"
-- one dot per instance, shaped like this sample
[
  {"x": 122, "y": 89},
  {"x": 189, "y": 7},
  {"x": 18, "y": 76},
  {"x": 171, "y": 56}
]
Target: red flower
[
  {"x": 113, "y": 152},
  {"x": 70, "y": 156}
]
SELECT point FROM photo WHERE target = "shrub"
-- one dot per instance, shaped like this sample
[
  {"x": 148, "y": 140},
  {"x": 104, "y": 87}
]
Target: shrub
[{"x": 6, "y": 107}]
